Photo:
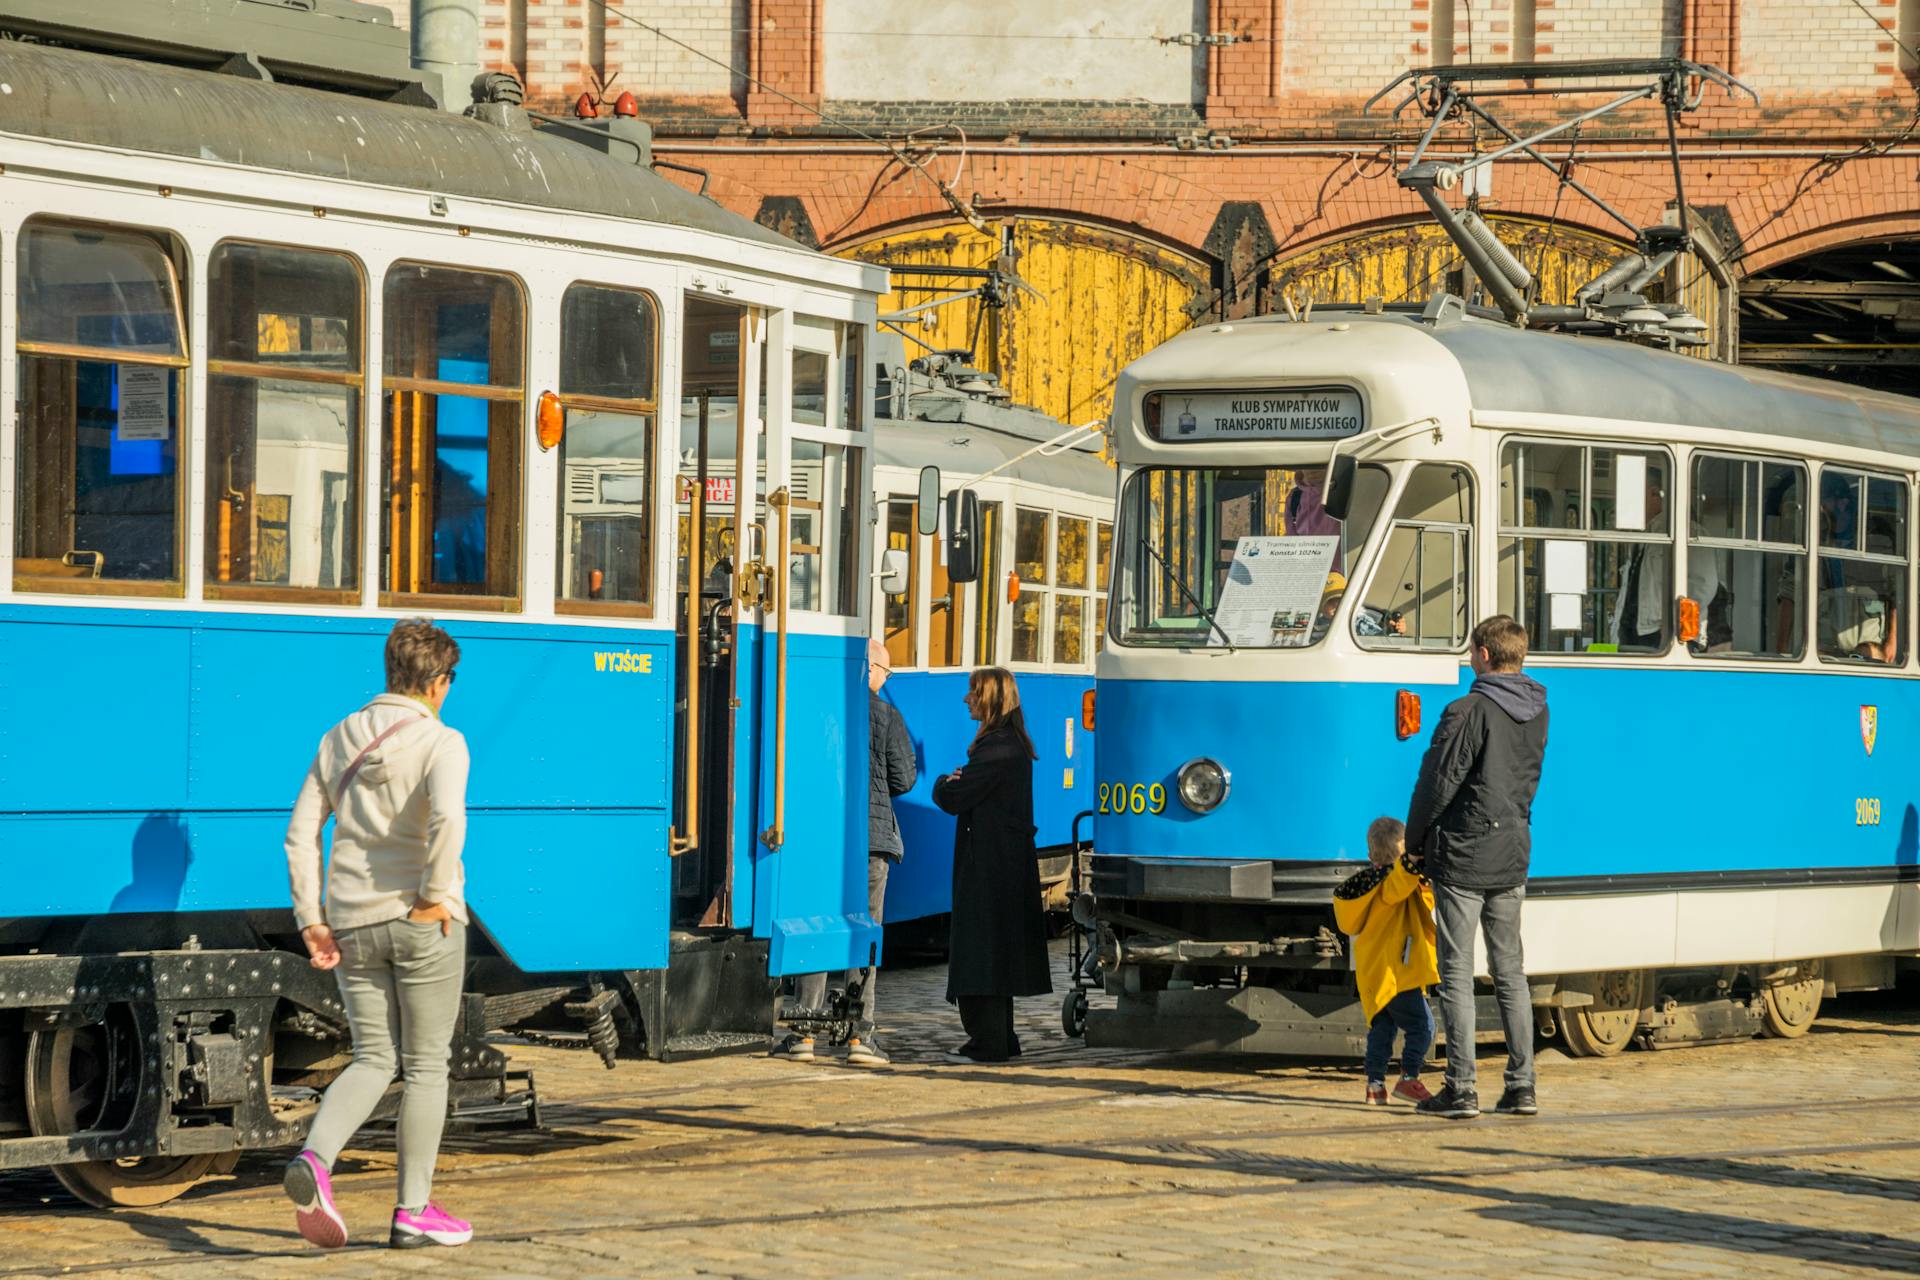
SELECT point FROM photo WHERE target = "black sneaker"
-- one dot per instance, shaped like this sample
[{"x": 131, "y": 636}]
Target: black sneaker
[
  {"x": 865, "y": 1051},
  {"x": 1451, "y": 1103},
  {"x": 1518, "y": 1102}
]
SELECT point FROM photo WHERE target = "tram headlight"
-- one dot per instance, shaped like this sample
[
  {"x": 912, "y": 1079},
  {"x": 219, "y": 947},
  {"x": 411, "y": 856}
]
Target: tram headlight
[{"x": 1202, "y": 784}]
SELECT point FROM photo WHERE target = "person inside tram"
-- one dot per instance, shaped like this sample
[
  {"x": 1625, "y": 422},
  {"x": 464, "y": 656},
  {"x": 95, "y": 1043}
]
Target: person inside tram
[
  {"x": 1306, "y": 513},
  {"x": 1639, "y": 619},
  {"x": 1367, "y": 620}
]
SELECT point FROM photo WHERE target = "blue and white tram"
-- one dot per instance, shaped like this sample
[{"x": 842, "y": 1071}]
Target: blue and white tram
[
  {"x": 291, "y": 364},
  {"x": 1046, "y": 539},
  {"x": 1715, "y": 566}
]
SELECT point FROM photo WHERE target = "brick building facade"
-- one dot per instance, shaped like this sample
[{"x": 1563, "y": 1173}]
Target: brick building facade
[{"x": 1235, "y": 152}]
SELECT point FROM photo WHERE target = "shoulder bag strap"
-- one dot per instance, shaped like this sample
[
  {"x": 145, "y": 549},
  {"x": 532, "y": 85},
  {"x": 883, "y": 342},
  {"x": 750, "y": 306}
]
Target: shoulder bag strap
[{"x": 346, "y": 779}]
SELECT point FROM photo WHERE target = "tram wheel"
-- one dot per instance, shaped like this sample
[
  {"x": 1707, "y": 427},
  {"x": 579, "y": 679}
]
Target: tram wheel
[
  {"x": 88, "y": 1077},
  {"x": 1790, "y": 1003},
  {"x": 1073, "y": 1014},
  {"x": 1605, "y": 1027}
]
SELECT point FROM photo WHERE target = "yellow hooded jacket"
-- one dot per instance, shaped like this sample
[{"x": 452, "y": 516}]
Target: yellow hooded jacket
[{"x": 1389, "y": 913}]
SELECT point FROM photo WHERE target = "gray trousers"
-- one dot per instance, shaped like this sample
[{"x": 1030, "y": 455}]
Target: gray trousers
[
  {"x": 1459, "y": 914},
  {"x": 401, "y": 984},
  {"x": 810, "y": 990}
]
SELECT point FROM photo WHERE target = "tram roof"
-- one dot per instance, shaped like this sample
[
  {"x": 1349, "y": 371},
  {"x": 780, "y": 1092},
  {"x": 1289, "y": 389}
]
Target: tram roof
[
  {"x": 101, "y": 100},
  {"x": 965, "y": 448}
]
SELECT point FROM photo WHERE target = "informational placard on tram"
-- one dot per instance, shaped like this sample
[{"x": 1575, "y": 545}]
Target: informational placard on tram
[
  {"x": 1566, "y": 567},
  {"x": 1295, "y": 413},
  {"x": 1273, "y": 590},
  {"x": 143, "y": 402}
]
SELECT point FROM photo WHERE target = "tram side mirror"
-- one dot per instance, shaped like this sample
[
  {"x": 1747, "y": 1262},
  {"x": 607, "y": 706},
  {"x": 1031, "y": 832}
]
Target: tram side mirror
[
  {"x": 893, "y": 572},
  {"x": 929, "y": 508},
  {"x": 963, "y": 536},
  {"x": 1339, "y": 494}
]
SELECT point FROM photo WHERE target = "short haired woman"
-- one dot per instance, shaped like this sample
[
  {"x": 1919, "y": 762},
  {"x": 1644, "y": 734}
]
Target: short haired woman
[
  {"x": 998, "y": 946},
  {"x": 392, "y": 922}
]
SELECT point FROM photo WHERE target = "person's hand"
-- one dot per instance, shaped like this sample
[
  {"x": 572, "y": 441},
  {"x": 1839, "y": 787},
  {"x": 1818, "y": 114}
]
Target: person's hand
[
  {"x": 432, "y": 913},
  {"x": 322, "y": 951}
]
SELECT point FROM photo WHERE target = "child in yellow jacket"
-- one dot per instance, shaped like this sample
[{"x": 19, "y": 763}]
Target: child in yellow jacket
[{"x": 1388, "y": 910}]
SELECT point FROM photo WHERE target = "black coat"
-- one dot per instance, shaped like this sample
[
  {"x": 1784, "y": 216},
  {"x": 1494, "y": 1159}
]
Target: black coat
[
  {"x": 999, "y": 936},
  {"x": 890, "y": 773},
  {"x": 1472, "y": 808}
]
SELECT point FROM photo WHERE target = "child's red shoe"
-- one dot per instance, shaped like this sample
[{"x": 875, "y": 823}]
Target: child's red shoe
[
  {"x": 1376, "y": 1094},
  {"x": 1411, "y": 1090}
]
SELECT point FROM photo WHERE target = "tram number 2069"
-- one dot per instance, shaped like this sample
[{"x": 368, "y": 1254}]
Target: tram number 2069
[
  {"x": 1866, "y": 811},
  {"x": 1119, "y": 797}
]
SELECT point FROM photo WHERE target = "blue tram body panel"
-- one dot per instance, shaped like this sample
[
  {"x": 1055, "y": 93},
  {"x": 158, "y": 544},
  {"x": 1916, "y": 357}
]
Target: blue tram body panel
[
  {"x": 938, "y": 724},
  {"x": 1652, "y": 771},
  {"x": 162, "y": 780}
]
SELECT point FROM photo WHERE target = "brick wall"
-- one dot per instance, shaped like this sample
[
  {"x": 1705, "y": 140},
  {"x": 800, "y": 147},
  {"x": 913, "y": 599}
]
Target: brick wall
[
  {"x": 1347, "y": 46},
  {"x": 1789, "y": 47},
  {"x": 1575, "y": 30}
]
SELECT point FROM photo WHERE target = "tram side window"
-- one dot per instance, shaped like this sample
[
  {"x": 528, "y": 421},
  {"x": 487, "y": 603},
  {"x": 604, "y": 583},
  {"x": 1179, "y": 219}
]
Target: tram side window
[
  {"x": 1032, "y": 532},
  {"x": 1420, "y": 596},
  {"x": 101, "y": 342},
  {"x": 1746, "y": 556},
  {"x": 946, "y": 609},
  {"x": 1586, "y": 541},
  {"x": 988, "y": 589},
  {"x": 453, "y": 406},
  {"x": 284, "y": 360},
  {"x": 1073, "y": 579},
  {"x": 1103, "y": 542},
  {"x": 1863, "y": 567},
  {"x": 609, "y": 362},
  {"x": 898, "y": 611},
  {"x": 825, "y": 487}
]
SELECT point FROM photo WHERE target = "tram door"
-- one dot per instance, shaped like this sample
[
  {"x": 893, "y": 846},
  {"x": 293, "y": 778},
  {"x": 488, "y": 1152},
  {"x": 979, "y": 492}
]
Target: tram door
[{"x": 716, "y": 459}]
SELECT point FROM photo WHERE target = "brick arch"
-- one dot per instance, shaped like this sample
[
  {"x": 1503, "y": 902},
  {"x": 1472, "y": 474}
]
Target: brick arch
[{"x": 1864, "y": 199}]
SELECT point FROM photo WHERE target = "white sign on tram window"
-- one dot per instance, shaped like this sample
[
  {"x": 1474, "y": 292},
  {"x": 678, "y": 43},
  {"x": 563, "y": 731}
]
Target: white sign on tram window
[
  {"x": 1273, "y": 590},
  {"x": 1294, "y": 413},
  {"x": 143, "y": 402}
]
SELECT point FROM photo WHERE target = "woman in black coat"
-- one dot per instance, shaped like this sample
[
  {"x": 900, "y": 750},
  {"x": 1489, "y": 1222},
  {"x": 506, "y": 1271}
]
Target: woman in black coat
[{"x": 998, "y": 946}]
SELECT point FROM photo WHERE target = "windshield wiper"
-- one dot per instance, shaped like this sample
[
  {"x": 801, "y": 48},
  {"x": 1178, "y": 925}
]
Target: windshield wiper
[{"x": 1193, "y": 600}]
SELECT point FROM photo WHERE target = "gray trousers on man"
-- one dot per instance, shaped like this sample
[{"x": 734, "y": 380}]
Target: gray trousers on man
[
  {"x": 810, "y": 990},
  {"x": 1458, "y": 914},
  {"x": 401, "y": 984}
]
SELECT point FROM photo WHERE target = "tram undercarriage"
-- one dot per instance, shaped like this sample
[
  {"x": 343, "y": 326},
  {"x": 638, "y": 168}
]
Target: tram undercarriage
[{"x": 1199, "y": 968}]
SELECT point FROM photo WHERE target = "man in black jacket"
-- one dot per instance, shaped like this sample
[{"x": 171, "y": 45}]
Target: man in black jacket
[
  {"x": 1470, "y": 821},
  {"x": 890, "y": 772}
]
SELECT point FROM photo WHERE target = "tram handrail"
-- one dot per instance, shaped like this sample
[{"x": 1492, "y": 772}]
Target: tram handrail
[
  {"x": 776, "y": 834},
  {"x": 687, "y": 841}
]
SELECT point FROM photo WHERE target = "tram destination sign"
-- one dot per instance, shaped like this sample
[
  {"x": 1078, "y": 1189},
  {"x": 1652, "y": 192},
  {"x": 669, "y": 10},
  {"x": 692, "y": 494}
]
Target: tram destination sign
[{"x": 1291, "y": 413}]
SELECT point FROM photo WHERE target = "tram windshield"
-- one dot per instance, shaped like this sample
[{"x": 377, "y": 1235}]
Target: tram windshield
[{"x": 1237, "y": 557}]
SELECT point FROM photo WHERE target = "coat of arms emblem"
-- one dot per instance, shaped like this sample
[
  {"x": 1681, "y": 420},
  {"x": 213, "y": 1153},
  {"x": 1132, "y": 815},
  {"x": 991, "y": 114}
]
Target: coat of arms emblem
[{"x": 1869, "y": 727}]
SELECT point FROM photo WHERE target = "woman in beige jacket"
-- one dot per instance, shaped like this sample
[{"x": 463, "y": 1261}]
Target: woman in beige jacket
[{"x": 390, "y": 919}]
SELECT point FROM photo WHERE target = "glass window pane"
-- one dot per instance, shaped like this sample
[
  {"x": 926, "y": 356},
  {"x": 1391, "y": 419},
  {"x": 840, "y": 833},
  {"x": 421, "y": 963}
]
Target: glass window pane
[
  {"x": 851, "y": 347},
  {"x": 1419, "y": 594},
  {"x": 96, "y": 286},
  {"x": 1030, "y": 545},
  {"x": 1608, "y": 597},
  {"x": 1720, "y": 488},
  {"x": 1840, "y": 508},
  {"x": 1630, "y": 491},
  {"x": 294, "y": 307},
  {"x": 98, "y": 492},
  {"x": 1099, "y": 624},
  {"x": 1859, "y": 610},
  {"x": 1070, "y": 554},
  {"x": 1541, "y": 484},
  {"x": 609, "y": 340},
  {"x": 1783, "y": 504},
  {"x": 810, "y": 387},
  {"x": 1103, "y": 538},
  {"x": 1028, "y": 630},
  {"x": 452, "y": 470},
  {"x": 1437, "y": 494},
  {"x": 897, "y": 613},
  {"x": 989, "y": 589},
  {"x": 823, "y": 483},
  {"x": 1070, "y": 630},
  {"x": 1886, "y": 517}
]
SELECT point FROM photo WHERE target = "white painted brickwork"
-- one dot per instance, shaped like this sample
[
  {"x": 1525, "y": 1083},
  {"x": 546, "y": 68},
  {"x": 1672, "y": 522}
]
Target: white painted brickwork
[
  {"x": 1583, "y": 29},
  {"x": 1796, "y": 47},
  {"x": 1349, "y": 46}
]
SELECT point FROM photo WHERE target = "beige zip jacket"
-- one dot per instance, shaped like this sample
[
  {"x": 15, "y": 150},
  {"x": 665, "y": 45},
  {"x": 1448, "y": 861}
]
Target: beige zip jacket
[{"x": 398, "y": 828}]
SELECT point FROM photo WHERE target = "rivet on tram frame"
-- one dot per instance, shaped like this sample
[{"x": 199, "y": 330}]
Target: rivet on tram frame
[
  {"x": 166, "y": 191},
  {"x": 318, "y": 212},
  {"x": 466, "y": 231}
]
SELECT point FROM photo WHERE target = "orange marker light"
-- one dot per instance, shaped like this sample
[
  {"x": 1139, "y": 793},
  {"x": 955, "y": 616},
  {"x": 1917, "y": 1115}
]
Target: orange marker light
[
  {"x": 1086, "y": 711},
  {"x": 584, "y": 108},
  {"x": 626, "y": 105},
  {"x": 1406, "y": 713},
  {"x": 1689, "y": 619},
  {"x": 1013, "y": 588},
  {"x": 549, "y": 421}
]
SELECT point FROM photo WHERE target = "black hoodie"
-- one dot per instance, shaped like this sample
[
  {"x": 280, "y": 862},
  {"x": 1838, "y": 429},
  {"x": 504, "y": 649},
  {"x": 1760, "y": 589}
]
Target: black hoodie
[{"x": 1472, "y": 807}]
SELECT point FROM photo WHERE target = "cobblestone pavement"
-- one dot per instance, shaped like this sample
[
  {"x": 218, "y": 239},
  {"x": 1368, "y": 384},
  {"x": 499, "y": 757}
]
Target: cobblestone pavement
[{"x": 1797, "y": 1158}]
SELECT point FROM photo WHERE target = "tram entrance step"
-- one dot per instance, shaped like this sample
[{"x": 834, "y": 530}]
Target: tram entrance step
[
  {"x": 709, "y": 1044},
  {"x": 1248, "y": 1020}
]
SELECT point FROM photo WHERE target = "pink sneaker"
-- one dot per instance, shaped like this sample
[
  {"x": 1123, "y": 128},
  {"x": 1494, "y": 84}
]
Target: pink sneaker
[
  {"x": 309, "y": 1186},
  {"x": 431, "y": 1225}
]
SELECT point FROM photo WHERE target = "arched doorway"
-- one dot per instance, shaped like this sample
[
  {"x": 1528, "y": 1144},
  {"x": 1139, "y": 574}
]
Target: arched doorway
[
  {"x": 1104, "y": 298},
  {"x": 1851, "y": 313}
]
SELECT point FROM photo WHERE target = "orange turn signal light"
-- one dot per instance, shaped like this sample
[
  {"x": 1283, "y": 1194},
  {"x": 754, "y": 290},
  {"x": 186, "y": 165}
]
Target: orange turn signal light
[
  {"x": 549, "y": 421},
  {"x": 1013, "y": 588},
  {"x": 1086, "y": 711},
  {"x": 626, "y": 105},
  {"x": 1406, "y": 713},
  {"x": 1689, "y": 619},
  {"x": 584, "y": 108}
]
